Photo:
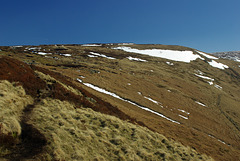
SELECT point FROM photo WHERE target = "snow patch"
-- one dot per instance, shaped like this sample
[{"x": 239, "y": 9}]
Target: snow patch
[
  {"x": 200, "y": 103},
  {"x": 42, "y": 53},
  {"x": 204, "y": 77},
  {"x": 33, "y": 48},
  {"x": 211, "y": 83},
  {"x": 218, "y": 139},
  {"x": 92, "y": 56},
  {"x": 169, "y": 63},
  {"x": 118, "y": 97},
  {"x": 91, "y": 45},
  {"x": 206, "y": 55},
  {"x": 151, "y": 100},
  {"x": 182, "y": 56},
  {"x": 79, "y": 80},
  {"x": 217, "y": 65},
  {"x": 199, "y": 72},
  {"x": 184, "y": 111},
  {"x": 17, "y": 46},
  {"x": 136, "y": 59},
  {"x": 217, "y": 86},
  {"x": 183, "y": 117},
  {"x": 66, "y": 54},
  {"x": 126, "y": 44},
  {"x": 101, "y": 55}
]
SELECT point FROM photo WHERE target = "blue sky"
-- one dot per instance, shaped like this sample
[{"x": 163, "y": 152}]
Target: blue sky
[{"x": 207, "y": 25}]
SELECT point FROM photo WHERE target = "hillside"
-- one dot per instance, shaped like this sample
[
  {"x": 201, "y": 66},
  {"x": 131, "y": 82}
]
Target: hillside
[{"x": 118, "y": 102}]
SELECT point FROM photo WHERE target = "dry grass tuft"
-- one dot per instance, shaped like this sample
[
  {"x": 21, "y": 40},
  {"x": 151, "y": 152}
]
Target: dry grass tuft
[
  {"x": 82, "y": 134},
  {"x": 13, "y": 99}
]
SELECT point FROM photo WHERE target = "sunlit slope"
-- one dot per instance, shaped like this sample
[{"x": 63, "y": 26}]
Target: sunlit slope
[
  {"x": 42, "y": 124},
  {"x": 192, "y": 98}
]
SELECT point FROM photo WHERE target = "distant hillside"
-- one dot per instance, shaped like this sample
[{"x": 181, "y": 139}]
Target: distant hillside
[
  {"x": 118, "y": 102},
  {"x": 231, "y": 55}
]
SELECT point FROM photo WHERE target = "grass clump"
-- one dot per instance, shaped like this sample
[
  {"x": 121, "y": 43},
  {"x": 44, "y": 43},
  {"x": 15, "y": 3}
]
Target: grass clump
[
  {"x": 13, "y": 99},
  {"x": 82, "y": 134}
]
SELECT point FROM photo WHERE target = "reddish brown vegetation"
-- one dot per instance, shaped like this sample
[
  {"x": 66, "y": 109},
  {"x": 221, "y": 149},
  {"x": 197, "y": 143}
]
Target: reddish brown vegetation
[{"x": 16, "y": 71}]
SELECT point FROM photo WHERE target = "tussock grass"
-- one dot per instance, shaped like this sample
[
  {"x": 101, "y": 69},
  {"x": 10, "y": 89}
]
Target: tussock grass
[
  {"x": 13, "y": 99},
  {"x": 82, "y": 134}
]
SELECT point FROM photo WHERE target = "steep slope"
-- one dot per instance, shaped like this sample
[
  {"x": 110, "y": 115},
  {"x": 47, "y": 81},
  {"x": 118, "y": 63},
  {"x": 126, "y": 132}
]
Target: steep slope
[{"x": 192, "y": 98}]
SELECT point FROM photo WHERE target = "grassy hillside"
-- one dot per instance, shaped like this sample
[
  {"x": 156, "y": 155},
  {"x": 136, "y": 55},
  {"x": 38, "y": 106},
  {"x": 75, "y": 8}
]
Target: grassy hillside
[
  {"x": 51, "y": 129},
  {"x": 203, "y": 99}
]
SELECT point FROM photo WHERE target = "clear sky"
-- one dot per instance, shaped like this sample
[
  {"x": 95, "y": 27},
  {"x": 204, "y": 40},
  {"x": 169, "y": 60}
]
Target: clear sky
[{"x": 207, "y": 25}]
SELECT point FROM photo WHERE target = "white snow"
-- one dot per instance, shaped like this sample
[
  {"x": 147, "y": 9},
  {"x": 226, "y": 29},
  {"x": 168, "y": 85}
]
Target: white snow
[
  {"x": 102, "y": 90},
  {"x": 184, "y": 111},
  {"x": 211, "y": 83},
  {"x": 66, "y": 54},
  {"x": 217, "y": 86},
  {"x": 150, "y": 99},
  {"x": 79, "y": 80},
  {"x": 118, "y": 97},
  {"x": 183, "y": 117},
  {"x": 101, "y": 55},
  {"x": 204, "y": 77},
  {"x": 200, "y": 103},
  {"x": 82, "y": 77},
  {"x": 91, "y": 45},
  {"x": 136, "y": 59},
  {"x": 139, "y": 93},
  {"x": 92, "y": 56},
  {"x": 169, "y": 63},
  {"x": 199, "y": 72},
  {"x": 17, "y": 46},
  {"x": 33, "y": 48},
  {"x": 217, "y": 65},
  {"x": 183, "y": 56},
  {"x": 126, "y": 44},
  {"x": 42, "y": 53},
  {"x": 129, "y": 84},
  {"x": 206, "y": 55},
  {"x": 221, "y": 141},
  {"x": 217, "y": 139}
]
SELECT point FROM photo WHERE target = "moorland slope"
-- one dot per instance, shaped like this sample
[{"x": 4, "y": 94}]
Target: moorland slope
[{"x": 118, "y": 101}]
